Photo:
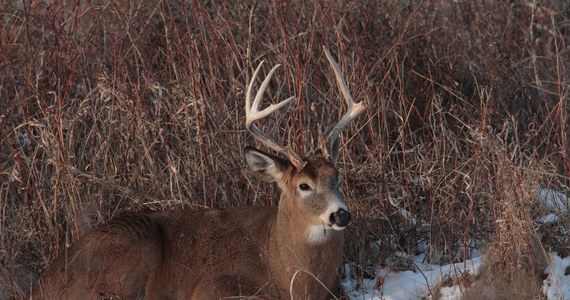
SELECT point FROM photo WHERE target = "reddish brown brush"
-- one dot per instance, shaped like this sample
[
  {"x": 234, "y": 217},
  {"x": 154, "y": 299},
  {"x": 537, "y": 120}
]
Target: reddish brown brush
[{"x": 110, "y": 107}]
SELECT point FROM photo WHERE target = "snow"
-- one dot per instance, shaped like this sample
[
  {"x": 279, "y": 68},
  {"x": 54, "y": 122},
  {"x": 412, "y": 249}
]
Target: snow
[
  {"x": 420, "y": 282},
  {"x": 557, "y": 285},
  {"x": 554, "y": 201},
  {"x": 413, "y": 284}
]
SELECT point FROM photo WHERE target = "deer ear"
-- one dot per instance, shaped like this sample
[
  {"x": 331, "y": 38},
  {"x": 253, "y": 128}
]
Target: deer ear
[{"x": 265, "y": 166}]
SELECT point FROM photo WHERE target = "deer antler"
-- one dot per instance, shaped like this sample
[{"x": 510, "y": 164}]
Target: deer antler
[
  {"x": 354, "y": 109},
  {"x": 253, "y": 114}
]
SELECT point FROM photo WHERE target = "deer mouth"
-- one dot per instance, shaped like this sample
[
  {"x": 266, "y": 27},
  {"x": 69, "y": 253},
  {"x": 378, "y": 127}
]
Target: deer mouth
[{"x": 336, "y": 221}]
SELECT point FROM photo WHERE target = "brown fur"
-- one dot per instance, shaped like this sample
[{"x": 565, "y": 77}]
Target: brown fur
[{"x": 209, "y": 254}]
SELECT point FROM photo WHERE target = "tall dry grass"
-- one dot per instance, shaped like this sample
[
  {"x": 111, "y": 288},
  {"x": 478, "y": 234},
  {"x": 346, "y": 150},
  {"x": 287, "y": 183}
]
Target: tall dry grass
[{"x": 112, "y": 106}]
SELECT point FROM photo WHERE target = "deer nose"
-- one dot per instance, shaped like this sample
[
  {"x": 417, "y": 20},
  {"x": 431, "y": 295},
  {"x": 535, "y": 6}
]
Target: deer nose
[{"x": 340, "y": 218}]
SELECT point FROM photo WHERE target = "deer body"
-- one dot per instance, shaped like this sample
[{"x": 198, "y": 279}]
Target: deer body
[
  {"x": 293, "y": 250},
  {"x": 200, "y": 254}
]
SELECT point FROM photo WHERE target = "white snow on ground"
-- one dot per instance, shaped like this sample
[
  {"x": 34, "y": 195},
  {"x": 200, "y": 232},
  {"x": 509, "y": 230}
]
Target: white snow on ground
[
  {"x": 557, "y": 285},
  {"x": 411, "y": 285},
  {"x": 419, "y": 283},
  {"x": 416, "y": 285},
  {"x": 554, "y": 201}
]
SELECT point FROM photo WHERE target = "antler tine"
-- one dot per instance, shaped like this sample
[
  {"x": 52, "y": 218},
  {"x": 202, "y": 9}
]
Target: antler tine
[
  {"x": 354, "y": 109},
  {"x": 253, "y": 114}
]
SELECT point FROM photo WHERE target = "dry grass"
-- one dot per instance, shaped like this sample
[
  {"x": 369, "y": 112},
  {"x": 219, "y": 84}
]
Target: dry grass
[{"x": 108, "y": 107}]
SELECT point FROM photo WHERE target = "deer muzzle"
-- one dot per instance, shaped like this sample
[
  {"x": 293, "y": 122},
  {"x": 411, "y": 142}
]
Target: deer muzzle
[{"x": 340, "y": 219}]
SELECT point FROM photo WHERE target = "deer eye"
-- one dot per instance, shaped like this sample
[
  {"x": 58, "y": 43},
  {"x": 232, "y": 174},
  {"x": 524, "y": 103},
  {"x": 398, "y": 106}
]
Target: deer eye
[{"x": 304, "y": 187}]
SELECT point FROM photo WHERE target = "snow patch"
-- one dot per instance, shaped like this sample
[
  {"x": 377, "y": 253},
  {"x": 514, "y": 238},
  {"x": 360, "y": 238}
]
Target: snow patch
[{"x": 412, "y": 285}]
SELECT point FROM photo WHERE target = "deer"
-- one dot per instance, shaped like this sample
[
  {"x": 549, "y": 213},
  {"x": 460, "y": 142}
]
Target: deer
[{"x": 292, "y": 250}]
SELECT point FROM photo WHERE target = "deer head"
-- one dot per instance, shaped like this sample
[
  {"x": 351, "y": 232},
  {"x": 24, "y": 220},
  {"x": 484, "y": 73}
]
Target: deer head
[{"x": 312, "y": 183}]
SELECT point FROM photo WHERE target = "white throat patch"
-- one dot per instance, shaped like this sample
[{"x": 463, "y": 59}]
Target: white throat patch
[{"x": 319, "y": 233}]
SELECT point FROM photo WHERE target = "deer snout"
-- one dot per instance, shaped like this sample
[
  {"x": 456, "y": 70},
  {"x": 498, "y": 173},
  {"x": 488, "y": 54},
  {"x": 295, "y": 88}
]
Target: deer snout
[{"x": 340, "y": 219}]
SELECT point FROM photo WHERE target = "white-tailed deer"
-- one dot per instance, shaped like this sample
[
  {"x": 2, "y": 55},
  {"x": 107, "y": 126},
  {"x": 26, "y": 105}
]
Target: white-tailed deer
[{"x": 293, "y": 250}]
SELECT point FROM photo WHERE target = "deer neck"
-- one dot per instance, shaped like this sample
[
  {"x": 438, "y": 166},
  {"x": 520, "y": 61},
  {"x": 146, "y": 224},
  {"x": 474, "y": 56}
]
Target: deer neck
[{"x": 292, "y": 248}]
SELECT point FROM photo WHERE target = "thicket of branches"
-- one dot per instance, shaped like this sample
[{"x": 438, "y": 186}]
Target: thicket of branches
[{"x": 110, "y": 106}]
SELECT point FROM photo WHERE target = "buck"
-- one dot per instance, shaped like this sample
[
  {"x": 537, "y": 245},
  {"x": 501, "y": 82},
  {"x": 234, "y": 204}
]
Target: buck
[{"x": 293, "y": 250}]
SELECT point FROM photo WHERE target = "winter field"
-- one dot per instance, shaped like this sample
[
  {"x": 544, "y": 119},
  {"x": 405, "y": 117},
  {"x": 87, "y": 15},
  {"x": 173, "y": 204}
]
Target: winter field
[
  {"x": 423, "y": 281},
  {"x": 456, "y": 176}
]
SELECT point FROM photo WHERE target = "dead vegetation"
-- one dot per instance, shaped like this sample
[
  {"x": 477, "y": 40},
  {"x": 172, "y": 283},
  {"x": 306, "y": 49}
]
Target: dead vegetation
[{"x": 107, "y": 107}]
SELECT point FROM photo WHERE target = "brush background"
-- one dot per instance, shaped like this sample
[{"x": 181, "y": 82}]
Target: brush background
[{"x": 108, "y": 106}]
